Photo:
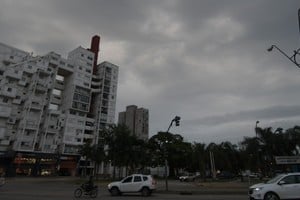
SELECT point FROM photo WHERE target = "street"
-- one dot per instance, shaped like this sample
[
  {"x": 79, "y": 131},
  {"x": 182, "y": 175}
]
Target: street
[{"x": 60, "y": 189}]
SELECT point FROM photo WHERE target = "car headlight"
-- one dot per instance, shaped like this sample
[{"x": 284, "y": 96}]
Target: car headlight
[{"x": 258, "y": 188}]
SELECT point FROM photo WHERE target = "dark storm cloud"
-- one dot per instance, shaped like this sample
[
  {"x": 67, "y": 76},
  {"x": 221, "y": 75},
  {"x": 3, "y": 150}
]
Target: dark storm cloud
[{"x": 203, "y": 60}]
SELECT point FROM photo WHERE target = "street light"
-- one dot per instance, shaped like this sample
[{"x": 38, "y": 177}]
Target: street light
[
  {"x": 292, "y": 58},
  {"x": 176, "y": 120}
]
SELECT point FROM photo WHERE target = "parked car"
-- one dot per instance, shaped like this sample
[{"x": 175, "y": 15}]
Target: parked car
[
  {"x": 189, "y": 177},
  {"x": 225, "y": 175},
  {"x": 2, "y": 181},
  {"x": 145, "y": 184},
  {"x": 283, "y": 186}
]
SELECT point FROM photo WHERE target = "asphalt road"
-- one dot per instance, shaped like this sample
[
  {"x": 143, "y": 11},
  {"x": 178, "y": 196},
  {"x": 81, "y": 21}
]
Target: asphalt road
[{"x": 60, "y": 189}]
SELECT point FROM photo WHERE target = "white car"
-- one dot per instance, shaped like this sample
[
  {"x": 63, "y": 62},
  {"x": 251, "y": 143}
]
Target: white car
[
  {"x": 187, "y": 178},
  {"x": 283, "y": 186},
  {"x": 145, "y": 184}
]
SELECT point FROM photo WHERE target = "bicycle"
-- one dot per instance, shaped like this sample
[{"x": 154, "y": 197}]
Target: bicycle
[{"x": 84, "y": 190}]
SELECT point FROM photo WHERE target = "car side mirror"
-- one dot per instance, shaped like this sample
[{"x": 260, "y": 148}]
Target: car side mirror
[{"x": 281, "y": 183}]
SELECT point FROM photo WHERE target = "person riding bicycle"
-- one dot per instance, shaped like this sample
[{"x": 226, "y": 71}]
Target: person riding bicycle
[{"x": 89, "y": 185}]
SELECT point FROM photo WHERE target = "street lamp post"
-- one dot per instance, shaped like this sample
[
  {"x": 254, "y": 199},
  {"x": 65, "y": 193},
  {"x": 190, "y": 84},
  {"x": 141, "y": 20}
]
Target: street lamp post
[
  {"x": 256, "y": 128},
  {"x": 292, "y": 58},
  {"x": 176, "y": 120}
]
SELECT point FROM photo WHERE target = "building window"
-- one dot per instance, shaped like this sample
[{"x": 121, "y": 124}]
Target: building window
[{"x": 53, "y": 107}]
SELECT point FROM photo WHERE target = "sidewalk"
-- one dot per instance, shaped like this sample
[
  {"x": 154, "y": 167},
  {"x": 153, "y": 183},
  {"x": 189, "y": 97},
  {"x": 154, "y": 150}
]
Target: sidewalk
[{"x": 188, "y": 188}]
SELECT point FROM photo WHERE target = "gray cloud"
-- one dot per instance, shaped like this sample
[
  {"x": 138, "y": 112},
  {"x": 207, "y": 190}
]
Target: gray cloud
[
  {"x": 203, "y": 60},
  {"x": 274, "y": 112}
]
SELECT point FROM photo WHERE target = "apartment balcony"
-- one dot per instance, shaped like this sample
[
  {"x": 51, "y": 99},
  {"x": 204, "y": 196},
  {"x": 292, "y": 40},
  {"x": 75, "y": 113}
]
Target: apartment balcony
[
  {"x": 36, "y": 106},
  {"x": 96, "y": 78},
  {"x": 55, "y": 100},
  {"x": 59, "y": 85},
  {"x": 8, "y": 92},
  {"x": 43, "y": 82},
  {"x": 96, "y": 90},
  {"x": 55, "y": 112},
  {"x": 17, "y": 101},
  {"x": 31, "y": 125},
  {"x": 28, "y": 138},
  {"x": 41, "y": 88},
  {"x": 88, "y": 136},
  {"x": 4, "y": 142},
  {"x": 13, "y": 74},
  {"x": 52, "y": 130},
  {"x": 5, "y": 110},
  {"x": 43, "y": 70},
  {"x": 90, "y": 128},
  {"x": 22, "y": 82},
  {"x": 67, "y": 69},
  {"x": 96, "y": 83}
]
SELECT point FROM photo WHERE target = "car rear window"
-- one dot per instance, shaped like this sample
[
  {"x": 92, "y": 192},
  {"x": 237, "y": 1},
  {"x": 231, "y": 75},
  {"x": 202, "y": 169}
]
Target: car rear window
[{"x": 145, "y": 178}]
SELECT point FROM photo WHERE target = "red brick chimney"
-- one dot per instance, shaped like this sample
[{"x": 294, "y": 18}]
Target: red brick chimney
[{"x": 95, "y": 49}]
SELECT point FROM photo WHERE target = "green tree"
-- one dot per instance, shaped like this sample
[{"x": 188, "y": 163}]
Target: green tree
[
  {"x": 200, "y": 158},
  {"x": 171, "y": 147}
]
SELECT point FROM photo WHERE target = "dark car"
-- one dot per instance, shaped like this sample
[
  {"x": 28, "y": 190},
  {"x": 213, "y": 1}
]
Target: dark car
[{"x": 225, "y": 175}]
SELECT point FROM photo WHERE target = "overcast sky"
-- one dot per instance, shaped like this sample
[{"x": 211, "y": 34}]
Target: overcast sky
[{"x": 203, "y": 60}]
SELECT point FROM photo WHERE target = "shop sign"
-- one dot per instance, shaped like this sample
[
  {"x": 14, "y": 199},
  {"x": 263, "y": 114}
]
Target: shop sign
[{"x": 283, "y": 160}]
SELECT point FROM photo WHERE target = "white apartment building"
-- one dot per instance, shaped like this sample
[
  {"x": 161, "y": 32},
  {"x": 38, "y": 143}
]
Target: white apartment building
[{"x": 50, "y": 106}]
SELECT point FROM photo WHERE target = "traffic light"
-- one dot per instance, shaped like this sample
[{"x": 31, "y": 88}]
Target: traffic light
[{"x": 177, "y": 120}]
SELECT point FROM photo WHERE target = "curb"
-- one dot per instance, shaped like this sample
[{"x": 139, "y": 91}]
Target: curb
[{"x": 207, "y": 192}]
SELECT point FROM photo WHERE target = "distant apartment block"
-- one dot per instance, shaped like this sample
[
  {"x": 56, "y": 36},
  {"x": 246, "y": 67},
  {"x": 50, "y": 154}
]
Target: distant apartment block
[
  {"x": 50, "y": 106},
  {"x": 137, "y": 120}
]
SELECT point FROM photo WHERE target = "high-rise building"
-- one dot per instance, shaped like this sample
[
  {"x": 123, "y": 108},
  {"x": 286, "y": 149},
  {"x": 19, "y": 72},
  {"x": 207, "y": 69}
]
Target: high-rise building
[
  {"x": 50, "y": 106},
  {"x": 137, "y": 120}
]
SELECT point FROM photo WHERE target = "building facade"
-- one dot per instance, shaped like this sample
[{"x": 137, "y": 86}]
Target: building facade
[
  {"x": 137, "y": 120},
  {"x": 50, "y": 106}
]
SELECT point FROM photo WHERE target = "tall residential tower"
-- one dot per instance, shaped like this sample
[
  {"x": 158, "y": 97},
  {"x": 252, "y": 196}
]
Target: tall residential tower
[
  {"x": 137, "y": 120},
  {"x": 50, "y": 106}
]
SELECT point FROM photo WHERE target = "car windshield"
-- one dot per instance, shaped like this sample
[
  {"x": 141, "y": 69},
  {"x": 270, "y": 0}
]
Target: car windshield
[{"x": 275, "y": 179}]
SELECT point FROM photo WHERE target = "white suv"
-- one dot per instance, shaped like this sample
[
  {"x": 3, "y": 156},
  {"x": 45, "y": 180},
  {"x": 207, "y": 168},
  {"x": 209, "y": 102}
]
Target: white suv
[
  {"x": 133, "y": 183},
  {"x": 283, "y": 186}
]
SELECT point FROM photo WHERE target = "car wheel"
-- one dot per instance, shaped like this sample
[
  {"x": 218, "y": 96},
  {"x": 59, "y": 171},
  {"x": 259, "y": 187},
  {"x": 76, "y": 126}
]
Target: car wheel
[
  {"x": 145, "y": 192},
  {"x": 78, "y": 193},
  {"x": 271, "y": 196},
  {"x": 114, "y": 191}
]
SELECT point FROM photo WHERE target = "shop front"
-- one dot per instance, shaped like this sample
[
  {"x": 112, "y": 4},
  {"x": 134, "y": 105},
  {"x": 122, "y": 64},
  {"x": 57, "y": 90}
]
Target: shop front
[{"x": 38, "y": 164}]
